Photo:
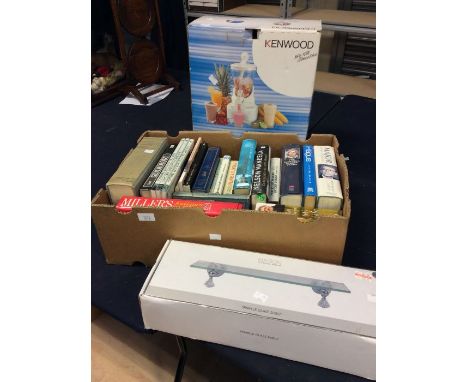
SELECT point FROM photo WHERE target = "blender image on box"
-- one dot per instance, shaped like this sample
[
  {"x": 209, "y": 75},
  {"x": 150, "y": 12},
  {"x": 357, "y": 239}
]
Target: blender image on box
[
  {"x": 251, "y": 74},
  {"x": 233, "y": 98}
]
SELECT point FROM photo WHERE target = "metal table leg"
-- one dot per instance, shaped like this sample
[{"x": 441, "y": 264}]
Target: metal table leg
[{"x": 182, "y": 358}]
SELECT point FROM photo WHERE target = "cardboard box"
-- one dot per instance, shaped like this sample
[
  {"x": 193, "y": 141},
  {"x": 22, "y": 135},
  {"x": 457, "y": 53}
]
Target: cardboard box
[
  {"x": 300, "y": 310},
  {"x": 139, "y": 236},
  {"x": 251, "y": 74},
  {"x": 213, "y": 5}
]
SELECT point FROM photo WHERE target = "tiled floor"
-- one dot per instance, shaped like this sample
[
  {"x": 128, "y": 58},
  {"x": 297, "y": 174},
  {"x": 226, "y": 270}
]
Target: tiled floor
[{"x": 121, "y": 354}]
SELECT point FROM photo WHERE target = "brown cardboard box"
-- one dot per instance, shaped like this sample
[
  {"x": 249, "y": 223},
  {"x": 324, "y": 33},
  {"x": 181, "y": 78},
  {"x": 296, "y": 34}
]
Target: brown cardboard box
[{"x": 131, "y": 238}]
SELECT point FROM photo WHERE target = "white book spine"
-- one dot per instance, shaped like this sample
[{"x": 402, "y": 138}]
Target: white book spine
[
  {"x": 221, "y": 174},
  {"x": 224, "y": 173},
  {"x": 178, "y": 166},
  {"x": 228, "y": 187},
  {"x": 275, "y": 180},
  {"x": 326, "y": 169},
  {"x": 180, "y": 183},
  {"x": 164, "y": 174},
  {"x": 175, "y": 160},
  {"x": 172, "y": 164},
  {"x": 173, "y": 167}
]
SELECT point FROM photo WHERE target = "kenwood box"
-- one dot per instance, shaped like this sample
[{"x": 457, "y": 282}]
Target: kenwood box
[{"x": 252, "y": 74}]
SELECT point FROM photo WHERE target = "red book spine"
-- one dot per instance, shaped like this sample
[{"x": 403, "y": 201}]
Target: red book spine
[{"x": 126, "y": 203}]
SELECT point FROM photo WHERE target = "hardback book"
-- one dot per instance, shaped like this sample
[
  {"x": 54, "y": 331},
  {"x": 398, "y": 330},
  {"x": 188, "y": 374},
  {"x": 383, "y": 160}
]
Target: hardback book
[
  {"x": 275, "y": 180},
  {"x": 221, "y": 174},
  {"x": 148, "y": 188},
  {"x": 193, "y": 154},
  {"x": 229, "y": 185},
  {"x": 194, "y": 168},
  {"x": 309, "y": 176},
  {"x": 135, "y": 168},
  {"x": 260, "y": 176},
  {"x": 176, "y": 170},
  {"x": 243, "y": 199},
  {"x": 211, "y": 208},
  {"x": 291, "y": 176},
  {"x": 269, "y": 207},
  {"x": 207, "y": 170},
  {"x": 243, "y": 179},
  {"x": 329, "y": 194},
  {"x": 160, "y": 183}
]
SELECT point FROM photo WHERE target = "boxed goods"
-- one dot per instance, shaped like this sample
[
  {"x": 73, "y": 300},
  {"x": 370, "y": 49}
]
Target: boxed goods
[
  {"x": 300, "y": 310},
  {"x": 251, "y": 74},
  {"x": 138, "y": 234}
]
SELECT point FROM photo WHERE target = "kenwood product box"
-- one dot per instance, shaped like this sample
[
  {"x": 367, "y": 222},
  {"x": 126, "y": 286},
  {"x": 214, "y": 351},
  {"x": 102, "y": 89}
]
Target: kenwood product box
[
  {"x": 300, "y": 310},
  {"x": 139, "y": 235},
  {"x": 250, "y": 74}
]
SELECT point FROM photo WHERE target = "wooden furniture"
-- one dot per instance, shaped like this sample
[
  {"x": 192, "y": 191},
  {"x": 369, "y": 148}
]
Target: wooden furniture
[{"x": 138, "y": 26}]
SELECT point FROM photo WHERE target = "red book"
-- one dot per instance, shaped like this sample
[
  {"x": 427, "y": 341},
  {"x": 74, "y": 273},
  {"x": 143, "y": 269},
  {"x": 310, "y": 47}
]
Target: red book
[{"x": 126, "y": 203}]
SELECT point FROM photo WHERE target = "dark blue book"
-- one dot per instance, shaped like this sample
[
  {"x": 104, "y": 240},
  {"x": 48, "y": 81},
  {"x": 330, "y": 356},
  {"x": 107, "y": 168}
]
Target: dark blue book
[
  {"x": 310, "y": 182},
  {"x": 207, "y": 170},
  {"x": 291, "y": 176}
]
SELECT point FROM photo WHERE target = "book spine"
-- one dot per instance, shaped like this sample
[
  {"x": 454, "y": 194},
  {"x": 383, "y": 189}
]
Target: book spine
[
  {"x": 229, "y": 184},
  {"x": 159, "y": 189},
  {"x": 275, "y": 180},
  {"x": 153, "y": 177},
  {"x": 220, "y": 176},
  {"x": 328, "y": 179},
  {"x": 291, "y": 170},
  {"x": 193, "y": 172},
  {"x": 188, "y": 165},
  {"x": 261, "y": 171},
  {"x": 310, "y": 184},
  {"x": 216, "y": 177},
  {"x": 243, "y": 179},
  {"x": 224, "y": 173},
  {"x": 211, "y": 208},
  {"x": 178, "y": 166},
  {"x": 207, "y": 170}
]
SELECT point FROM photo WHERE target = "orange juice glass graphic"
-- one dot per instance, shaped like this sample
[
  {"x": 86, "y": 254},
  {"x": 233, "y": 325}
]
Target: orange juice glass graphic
[
  {"x": 269, "y": 110},
  {"x": 216, "y": 95}
]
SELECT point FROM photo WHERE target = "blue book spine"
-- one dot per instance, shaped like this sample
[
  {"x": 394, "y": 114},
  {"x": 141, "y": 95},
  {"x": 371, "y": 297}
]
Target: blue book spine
[
  {"x": 243, "y": 179},
  {"x": 207, "y": 170},
  {"x": 310, "y": 182}
]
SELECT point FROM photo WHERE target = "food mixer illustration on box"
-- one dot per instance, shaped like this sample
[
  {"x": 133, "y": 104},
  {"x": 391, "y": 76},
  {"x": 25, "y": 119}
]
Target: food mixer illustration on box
[
  {"x": 252, "y": 74},
  {"x": 239, "y": 107}
]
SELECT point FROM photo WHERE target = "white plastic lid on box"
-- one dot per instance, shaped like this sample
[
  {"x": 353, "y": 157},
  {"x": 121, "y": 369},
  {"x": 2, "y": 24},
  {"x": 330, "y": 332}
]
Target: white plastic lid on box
[
  {"x": 261, "y": 23},
  {"x": 301, "y": 310}
]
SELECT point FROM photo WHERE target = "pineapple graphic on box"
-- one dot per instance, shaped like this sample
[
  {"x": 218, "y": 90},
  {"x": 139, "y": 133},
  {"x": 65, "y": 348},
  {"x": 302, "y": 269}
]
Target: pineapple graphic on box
[{"x": 223, "y": 77}]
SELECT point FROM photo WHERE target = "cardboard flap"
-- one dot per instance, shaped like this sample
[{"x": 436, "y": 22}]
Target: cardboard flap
[{"x": 153, "y": 269}]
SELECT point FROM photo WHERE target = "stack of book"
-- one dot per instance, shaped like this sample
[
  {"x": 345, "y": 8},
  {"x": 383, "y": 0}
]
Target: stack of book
[{"x": 305, "y": 177}]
